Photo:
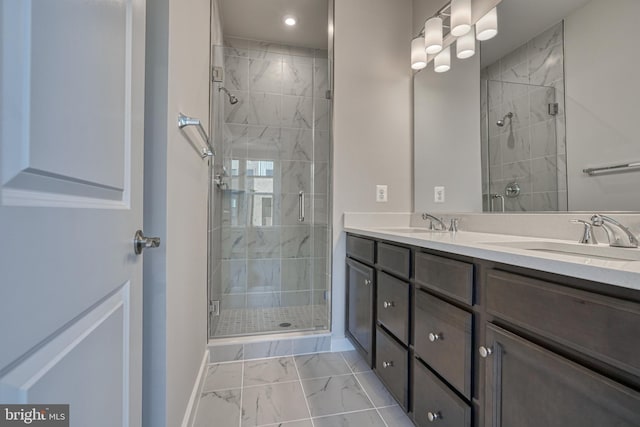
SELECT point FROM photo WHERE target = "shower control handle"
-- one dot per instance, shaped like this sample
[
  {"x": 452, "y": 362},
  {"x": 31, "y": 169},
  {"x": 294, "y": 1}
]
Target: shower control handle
[{"x": 301, "y": 206}]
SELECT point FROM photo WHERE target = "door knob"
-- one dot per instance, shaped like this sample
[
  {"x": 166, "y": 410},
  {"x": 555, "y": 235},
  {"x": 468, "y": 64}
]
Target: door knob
[
  {"x": 434, "y": 416},
  {"x": 433, "y": 337},
  {"x": 141, "y": 242},
  {"x": 485, "y": 351}
]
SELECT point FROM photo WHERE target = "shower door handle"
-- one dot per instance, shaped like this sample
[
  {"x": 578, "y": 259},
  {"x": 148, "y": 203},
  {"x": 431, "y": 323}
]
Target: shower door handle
[{"x": 301, "y": 206}]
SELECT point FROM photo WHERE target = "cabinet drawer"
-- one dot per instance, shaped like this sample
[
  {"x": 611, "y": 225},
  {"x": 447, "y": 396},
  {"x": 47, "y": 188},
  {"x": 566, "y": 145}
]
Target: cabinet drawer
[
  {"x": 430, "y": 395},
  {"x": 529, "y": 386},
  {"x": 450, "y": 277},
  {"x": 392, "y": 366},
  {"x": 360, "y": 248},
  {"x": 442, "y": 337},
  {"x": 394, "y": 259},
  {"x": 393, "y": 306},
  {"x": 602, "y": 327}
]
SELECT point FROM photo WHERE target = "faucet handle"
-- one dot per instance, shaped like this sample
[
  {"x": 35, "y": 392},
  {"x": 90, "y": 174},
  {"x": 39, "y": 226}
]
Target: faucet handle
[
  {"x": 454, "y": 224},
  {"x": 587, "y": 234}
]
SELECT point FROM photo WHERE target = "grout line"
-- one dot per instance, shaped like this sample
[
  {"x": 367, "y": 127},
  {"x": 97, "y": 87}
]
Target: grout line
[
  {"x": 241, "y": 392},
  {"x": 304, "y": 394},
  {"x": 364, "y": 390}
]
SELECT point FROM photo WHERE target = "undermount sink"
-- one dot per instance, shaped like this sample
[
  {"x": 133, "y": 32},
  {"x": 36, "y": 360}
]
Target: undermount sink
[
  {"x": 600, "y": 251},
  {"x": 410, "y": 230}
]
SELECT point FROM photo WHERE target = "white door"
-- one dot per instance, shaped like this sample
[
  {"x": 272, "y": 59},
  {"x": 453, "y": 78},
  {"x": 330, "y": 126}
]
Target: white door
[{"x": 71, "y": 152}]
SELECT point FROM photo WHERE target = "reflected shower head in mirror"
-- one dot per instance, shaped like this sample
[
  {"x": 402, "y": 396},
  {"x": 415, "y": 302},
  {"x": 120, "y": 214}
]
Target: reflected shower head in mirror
[
  {"x": 501, "y": 122},
  {"x": 232, "y": 98}
]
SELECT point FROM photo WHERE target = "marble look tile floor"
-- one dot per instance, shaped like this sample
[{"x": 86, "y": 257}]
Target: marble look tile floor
[{"x": 313, "y": 390}]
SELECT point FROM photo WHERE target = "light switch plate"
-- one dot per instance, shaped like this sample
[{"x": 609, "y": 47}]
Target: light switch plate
[
  {"x": 438, "y": 194},
  {"x": 381, "y": 193}
]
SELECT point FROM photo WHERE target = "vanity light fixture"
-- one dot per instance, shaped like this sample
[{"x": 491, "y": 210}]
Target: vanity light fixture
[
  {"x": 418, "y": 54},
  {"x": 433, "y": 35},
  {"x": 487, "y": 26},
  {"x": 466, "y": 45},
  {"x": 455, "y": 18},
  {"x": 460, "y": 17},
  {"x": 290, "y": 20},
  {"x": 442, "y": 63}
]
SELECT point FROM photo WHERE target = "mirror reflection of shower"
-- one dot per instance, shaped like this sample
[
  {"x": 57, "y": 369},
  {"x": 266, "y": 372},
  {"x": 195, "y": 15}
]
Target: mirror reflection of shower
[
  {"x": 232, "y": 98},
  {"x": 501, "y": 122}
]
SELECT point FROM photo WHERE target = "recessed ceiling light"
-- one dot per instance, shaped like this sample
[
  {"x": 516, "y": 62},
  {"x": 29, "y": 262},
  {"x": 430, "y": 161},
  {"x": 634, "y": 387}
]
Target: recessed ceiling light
[{"x": 290, "y": 21}]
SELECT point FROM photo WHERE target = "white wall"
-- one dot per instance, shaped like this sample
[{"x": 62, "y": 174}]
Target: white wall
[
  {"x": 602, "y": 103},
  {"x": 447, "y": 137},
  {"x": 372, "y": 119},
  {"x": 175, "y": 296}
]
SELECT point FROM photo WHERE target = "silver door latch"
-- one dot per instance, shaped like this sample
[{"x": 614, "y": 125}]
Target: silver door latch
[{"x": 141, "y": 242}]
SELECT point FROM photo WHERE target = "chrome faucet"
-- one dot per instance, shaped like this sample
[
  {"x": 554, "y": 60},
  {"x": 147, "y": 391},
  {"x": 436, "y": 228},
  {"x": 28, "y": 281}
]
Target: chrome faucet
[
  {"x": 441, "y": 225},
  {"x": 619, "y": 236},
  {"x": 587, "y": 233}
]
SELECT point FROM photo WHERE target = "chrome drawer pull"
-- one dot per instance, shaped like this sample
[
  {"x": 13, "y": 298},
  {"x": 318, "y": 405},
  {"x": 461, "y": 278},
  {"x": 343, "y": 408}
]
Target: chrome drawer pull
[
  {"x": 435, "y": 337},
  {"x": 485, "y": 351},
  {"x": 387, "y": 364},
  {"x": 434, "y": 416},
  {"x": 388, "y": 304}
]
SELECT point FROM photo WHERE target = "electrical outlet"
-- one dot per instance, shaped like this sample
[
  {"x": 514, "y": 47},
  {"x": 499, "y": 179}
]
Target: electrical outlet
[
  {"x": 438, "y": 194},
  {"x": 381, "y": 193}
]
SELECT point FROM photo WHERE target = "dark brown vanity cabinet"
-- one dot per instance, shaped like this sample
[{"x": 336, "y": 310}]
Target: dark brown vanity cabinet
[
  {"x": 473, "y": 343},
  {"x": 360, "y": 294},
  {"x": 566, "y": 377},
  {"x": 443, "y": 339},
  {"x": 393, "y": 265}
]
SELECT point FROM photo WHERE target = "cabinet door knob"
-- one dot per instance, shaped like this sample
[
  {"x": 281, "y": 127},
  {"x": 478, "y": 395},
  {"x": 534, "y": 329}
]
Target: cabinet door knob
[
  {"x": 435, "y": 337},
  {"x": 388, "y": 364},
  {"x": 388, "y": 304},
  {"x": 367, "y": 282},
  {"x": 485, "y": 351},
  {"x": 434, "y": 416}
]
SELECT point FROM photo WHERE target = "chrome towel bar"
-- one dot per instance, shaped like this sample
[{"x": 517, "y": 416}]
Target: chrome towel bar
[
  {"x": 184, "y": 121},
  {"x": 624, "y": 167}
]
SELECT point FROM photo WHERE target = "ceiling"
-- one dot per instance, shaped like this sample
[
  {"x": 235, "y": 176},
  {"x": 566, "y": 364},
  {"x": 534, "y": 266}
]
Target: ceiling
[
  {"x": 520, "y": 20},
  {"x": 263, "y": 20}
]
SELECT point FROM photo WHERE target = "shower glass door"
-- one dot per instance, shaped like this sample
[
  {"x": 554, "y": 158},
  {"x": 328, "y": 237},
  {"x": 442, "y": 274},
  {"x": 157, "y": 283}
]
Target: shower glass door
[
  {"x": 269, "y": 239},
  {"x": 523, "y": 156}
]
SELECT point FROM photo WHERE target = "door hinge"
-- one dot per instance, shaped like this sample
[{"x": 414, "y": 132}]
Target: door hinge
[
  {"x": 553, "y": 109},
  {"x": 214, "y": 308},
  {"x": 217, "y": 74}
]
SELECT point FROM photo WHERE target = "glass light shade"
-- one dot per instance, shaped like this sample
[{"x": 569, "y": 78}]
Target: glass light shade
[
  {"x": 442, "y": 63},
  {"x": 460, "y": 17},
  {"x": 487, "y": 26},
  {"x": 433, "y": 35},
  {"x": 466, "y": 45},
  {"x": 418, "y": 54}
]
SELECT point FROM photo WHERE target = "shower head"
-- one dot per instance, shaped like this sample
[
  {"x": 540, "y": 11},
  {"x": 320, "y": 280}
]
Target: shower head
[
  {"x": 232, "y": 98},
  {"x": 500, "y": 122}
]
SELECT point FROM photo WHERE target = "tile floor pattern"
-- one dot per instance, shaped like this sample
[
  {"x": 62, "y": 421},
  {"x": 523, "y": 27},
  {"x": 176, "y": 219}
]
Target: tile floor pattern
[
  {"x": 242, "y": 321},
  {"x": 314, "y": 390}
]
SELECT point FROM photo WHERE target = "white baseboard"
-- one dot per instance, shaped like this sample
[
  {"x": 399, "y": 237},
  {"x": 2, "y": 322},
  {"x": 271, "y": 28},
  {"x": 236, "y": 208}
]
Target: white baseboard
[{"x": 192, "y": 407}]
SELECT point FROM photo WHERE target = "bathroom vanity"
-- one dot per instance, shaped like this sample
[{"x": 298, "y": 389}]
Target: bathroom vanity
[{"x": 465, "y": 332}]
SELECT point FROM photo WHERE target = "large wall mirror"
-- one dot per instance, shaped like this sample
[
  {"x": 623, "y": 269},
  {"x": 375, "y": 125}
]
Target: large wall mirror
[{"x": 559, "y": 107}]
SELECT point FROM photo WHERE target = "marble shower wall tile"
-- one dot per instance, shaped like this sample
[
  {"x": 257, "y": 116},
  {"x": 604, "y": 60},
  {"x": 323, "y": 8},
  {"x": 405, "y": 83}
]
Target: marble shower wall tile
[
  {"x": 297, "y": 112},
  {"x": 234, "y": 276},
  {"x": 266, "y": 75},
  {"x": 296, "y": 176},
  {"x": 296, "y": 144},
  {"x": 264, "y": 109},
  {"x": 321, "y": 76},
  {"x": 297, "y": 76},
  {"x": 235, "y": 141},
  {"x": 234, "y": 243},
  {"x": 263, "y": 242},
  {"x": 296, "y": 274},
  {"x": 264, "y": 143},
  {"x": 236, "y": 73},
  {"x": 296, "y": 242},
  {"x": 263, "y": 275}
]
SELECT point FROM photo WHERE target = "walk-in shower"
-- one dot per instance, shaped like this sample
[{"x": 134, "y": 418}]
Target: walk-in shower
[{"x": 269, "y": 234}]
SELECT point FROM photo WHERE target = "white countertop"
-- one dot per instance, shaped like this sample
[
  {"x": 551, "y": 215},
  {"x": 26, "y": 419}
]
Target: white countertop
[{"x": 478, "y": 245}]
